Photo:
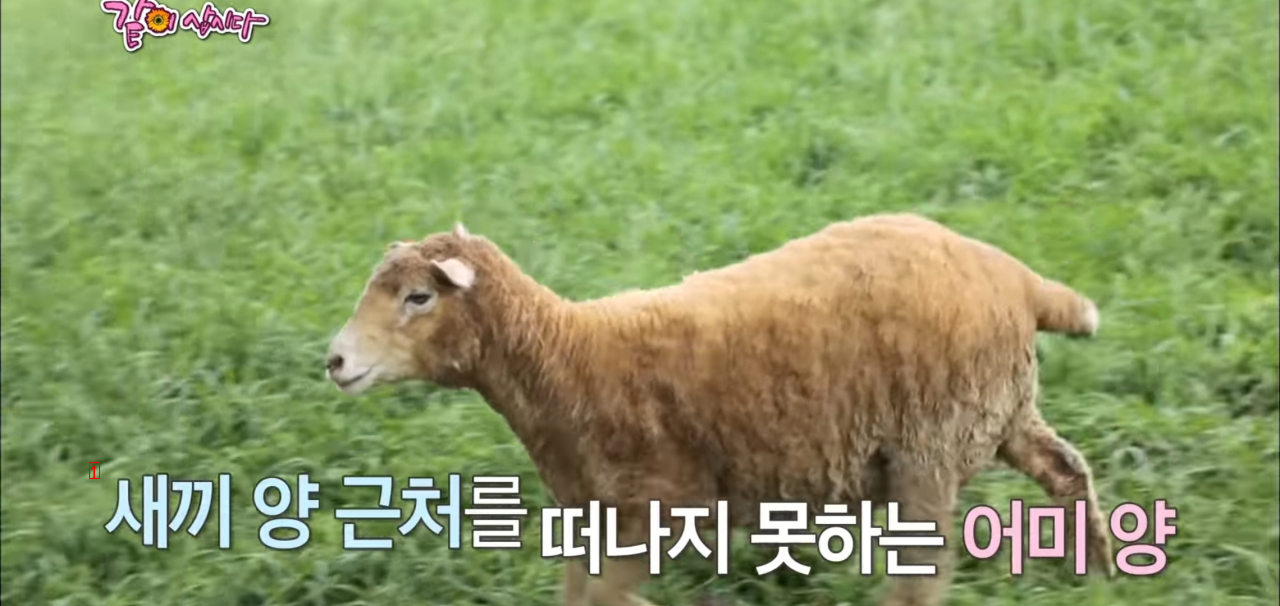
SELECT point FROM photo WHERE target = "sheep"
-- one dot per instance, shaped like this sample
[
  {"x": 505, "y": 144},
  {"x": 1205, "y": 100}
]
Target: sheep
[{"x": 884, "y": 359}]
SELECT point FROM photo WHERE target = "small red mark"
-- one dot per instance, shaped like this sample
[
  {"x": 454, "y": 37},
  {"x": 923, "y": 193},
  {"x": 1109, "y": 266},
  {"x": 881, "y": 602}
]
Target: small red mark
[{"x": 95, "y": 471}]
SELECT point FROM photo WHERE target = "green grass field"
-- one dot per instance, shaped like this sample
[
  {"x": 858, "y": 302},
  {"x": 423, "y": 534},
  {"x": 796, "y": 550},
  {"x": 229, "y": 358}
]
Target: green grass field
[{"x": 184, "y": 228}]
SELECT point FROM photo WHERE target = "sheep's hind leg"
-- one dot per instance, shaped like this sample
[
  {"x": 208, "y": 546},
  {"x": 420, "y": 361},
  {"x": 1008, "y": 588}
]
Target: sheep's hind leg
[
  {"x": 1035, "y": 449},
  {"x": 924, "y": 494}
]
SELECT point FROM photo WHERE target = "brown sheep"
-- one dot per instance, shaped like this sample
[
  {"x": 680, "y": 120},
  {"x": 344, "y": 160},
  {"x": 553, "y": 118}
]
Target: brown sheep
[{"x": 886, "y": 358}]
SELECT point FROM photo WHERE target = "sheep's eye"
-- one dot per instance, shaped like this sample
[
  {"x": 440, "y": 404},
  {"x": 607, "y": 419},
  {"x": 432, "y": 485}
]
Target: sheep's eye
[{"x": 418, "y": 298}]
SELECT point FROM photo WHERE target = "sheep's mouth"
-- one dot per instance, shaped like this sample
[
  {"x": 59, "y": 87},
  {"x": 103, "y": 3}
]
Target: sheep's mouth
[{"x": 353, "y": 380}]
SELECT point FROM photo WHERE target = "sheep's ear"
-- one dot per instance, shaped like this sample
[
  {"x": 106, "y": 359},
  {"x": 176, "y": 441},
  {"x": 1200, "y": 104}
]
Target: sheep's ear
[
  {"x": 460, "y": 230},
  {"x": 455, "y": 272}
]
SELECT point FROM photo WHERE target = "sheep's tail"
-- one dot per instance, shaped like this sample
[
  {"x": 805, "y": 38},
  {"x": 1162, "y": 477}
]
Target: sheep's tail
[{"x": 1058, "y": 309}]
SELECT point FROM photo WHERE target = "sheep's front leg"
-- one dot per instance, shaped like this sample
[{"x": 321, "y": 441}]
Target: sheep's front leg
[
  {"x": 615, "y": 585},
  {"x": 923, "y": 495},
  {"x": 575, "y": 583},
  {"x": 619, "y": 579}
]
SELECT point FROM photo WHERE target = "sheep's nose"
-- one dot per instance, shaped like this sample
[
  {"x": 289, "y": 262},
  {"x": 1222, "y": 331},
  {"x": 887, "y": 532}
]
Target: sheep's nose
[{"x": 334, "y": 363}]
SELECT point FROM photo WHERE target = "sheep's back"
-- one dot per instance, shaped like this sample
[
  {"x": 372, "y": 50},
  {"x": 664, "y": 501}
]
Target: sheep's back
[{"x": 794, "y": 372}]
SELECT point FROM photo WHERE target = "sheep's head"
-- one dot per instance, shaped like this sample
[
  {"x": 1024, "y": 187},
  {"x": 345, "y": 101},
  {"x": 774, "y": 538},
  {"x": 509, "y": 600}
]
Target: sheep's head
[{"x": 412, "y": 322}]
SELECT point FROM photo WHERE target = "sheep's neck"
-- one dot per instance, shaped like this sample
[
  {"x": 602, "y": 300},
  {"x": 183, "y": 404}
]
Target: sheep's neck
[{"x": 534, "y": 356}]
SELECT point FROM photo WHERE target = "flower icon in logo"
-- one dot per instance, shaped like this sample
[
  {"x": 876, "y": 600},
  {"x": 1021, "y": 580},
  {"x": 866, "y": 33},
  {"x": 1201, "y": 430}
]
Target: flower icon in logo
[{"x": 157, "y": 20}]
